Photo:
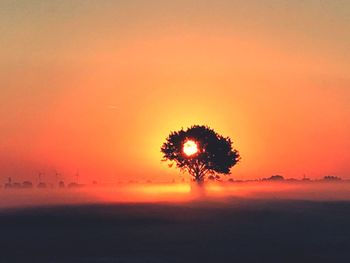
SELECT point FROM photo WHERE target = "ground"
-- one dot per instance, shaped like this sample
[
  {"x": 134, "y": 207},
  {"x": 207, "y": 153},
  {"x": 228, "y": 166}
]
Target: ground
[{"x": 234, "y": 230}]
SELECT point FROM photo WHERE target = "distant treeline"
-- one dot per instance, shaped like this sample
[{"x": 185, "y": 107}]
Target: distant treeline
[
  {"x": 41, "y": 185},
  {"x": 61, "y": 185}
]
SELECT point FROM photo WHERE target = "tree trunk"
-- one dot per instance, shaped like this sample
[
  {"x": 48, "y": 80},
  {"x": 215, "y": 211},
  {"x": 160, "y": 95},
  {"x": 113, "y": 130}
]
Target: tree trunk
[{"x": 198, "y": 189}]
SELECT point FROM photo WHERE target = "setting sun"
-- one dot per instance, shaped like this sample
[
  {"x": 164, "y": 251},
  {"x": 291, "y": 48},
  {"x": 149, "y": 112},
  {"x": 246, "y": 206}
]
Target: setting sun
[{"x": 190, "y": 147}]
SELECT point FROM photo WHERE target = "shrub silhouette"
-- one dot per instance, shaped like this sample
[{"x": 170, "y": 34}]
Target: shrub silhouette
[
  {"x": 274, "y": 178},
  {"x": 331, "y": 178},
  {"x": 212, "y": 154}
]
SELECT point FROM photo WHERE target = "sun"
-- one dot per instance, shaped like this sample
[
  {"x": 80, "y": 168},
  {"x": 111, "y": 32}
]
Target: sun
[{"x": 190, "y": 147}]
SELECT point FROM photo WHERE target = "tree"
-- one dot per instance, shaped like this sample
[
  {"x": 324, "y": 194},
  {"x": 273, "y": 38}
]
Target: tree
[
  {"x": 331, "y": 178},
  {"x": 274, "y": 178},
  {"x": 199, "y": 150}
]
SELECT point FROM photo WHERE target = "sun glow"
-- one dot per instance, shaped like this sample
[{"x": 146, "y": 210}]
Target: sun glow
[{"x": 190, "y": 147}]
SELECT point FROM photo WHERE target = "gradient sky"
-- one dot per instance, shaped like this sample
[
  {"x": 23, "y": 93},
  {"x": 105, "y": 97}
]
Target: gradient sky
[{"x": 98, "y": 85}]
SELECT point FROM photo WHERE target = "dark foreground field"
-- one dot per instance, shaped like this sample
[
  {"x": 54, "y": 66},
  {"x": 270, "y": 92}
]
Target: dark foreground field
[{"x": 236, "y": 230}]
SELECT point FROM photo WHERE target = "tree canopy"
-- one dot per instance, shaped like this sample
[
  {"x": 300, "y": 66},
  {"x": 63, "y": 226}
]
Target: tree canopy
[{"x": 199, "y": 150}]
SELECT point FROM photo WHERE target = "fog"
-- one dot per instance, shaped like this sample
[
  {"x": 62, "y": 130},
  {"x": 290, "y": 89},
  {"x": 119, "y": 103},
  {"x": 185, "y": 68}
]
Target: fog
[
  {"x": 175, "y": 193},
  {"x": 220, "y": 222}
]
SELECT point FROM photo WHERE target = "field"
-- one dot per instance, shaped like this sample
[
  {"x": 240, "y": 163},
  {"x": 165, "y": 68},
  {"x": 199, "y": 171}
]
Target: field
[{"x": 213, "y": 229}]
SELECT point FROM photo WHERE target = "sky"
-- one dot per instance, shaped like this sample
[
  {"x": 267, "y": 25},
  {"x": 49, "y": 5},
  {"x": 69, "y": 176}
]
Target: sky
[{"x": 95, "y": 87}]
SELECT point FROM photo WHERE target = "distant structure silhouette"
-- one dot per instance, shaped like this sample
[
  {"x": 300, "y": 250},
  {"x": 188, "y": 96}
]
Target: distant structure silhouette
[
  {"x": 9, "y": 183},
  {"x": 12, "y": 185},
  {"x": 15, "y": 185},
  {"x": 41, "y": 184},
  {"x": 77, "y": 175},
  {"x": 75, "y": 184},
  {"x": 200, "y": 151},
  {"x": 306, "y": 178}
]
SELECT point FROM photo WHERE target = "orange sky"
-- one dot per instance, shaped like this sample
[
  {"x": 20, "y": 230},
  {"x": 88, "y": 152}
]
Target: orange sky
[{"x": 98, "y": 85}]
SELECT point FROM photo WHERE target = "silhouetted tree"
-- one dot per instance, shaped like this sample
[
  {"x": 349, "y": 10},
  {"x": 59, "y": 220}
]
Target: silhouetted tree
[
  {"x": 275, "y": 178},
  {"x": 199, "y": 150},
  {"x": 331, "y": 178}
]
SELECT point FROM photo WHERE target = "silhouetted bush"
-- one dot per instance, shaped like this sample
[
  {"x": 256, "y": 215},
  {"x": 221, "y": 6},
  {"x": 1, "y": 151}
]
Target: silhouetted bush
[
  {"x": 331, "y": 178},
  {"x": 274, "y": 178}
]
